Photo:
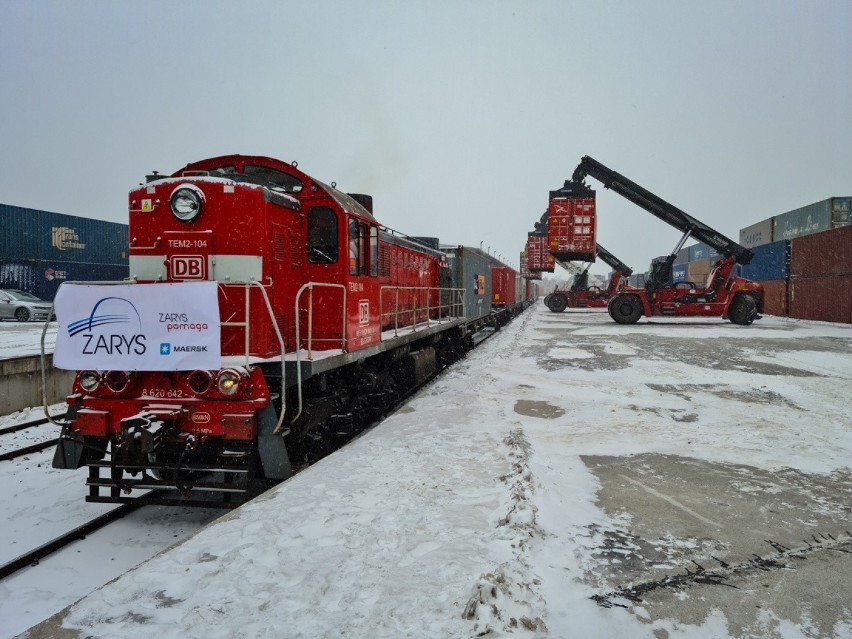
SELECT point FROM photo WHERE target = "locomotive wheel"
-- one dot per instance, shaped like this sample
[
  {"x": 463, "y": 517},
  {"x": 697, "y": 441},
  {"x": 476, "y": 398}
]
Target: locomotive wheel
[
  {"x": 557, "y": 303},
  {"x": 625, "y": 309},
  {"x": 743, "y": 310}
]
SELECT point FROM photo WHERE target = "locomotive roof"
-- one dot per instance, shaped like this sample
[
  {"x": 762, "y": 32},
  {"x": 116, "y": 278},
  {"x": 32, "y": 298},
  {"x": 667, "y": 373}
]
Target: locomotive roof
[{"x": 346, "y": 202}]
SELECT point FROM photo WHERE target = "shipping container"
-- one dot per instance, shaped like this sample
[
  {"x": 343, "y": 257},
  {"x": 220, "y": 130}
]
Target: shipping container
[
  {"x": 770, "y": 262},
  {"x": 825, "y": 298},
  {"x": 775, "y": 297},
  {"x": 698, "y": 271},
  {"x": 637, "y": 280},
  {"x": 757, "y": 234},
  {"x": 679, "y": 273},
  {"x": 42, "y": 278},
  {"x": 813, "y": 218},
  {"x": 41, "y": 235},
  {"x": 682, "y": 256},
  {"x": 572, "y": 229},
  {"x": 470, "y": 270},
  {"x": 539, "y": 258},
  {"x": 503, "y": 286},
  {"x": 826, "y": 253},
  {"x": 701, "y": 251}
]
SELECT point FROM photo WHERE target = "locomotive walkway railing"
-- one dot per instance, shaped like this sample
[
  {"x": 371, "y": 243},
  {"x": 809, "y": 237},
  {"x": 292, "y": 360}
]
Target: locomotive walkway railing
[
  {"x": 418, "y": 304},
  {"x": 310, "y": 286}
]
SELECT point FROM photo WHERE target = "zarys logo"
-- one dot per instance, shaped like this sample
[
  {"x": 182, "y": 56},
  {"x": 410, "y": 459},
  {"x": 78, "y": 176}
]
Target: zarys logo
[{"x": 110, "y": 311}]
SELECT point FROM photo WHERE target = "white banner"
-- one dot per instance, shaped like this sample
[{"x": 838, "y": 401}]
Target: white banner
[{"x": 138, "y": 327}]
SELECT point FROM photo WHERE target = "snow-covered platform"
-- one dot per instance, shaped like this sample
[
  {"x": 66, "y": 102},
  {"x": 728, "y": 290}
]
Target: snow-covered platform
[{"x": 570, "y": 478}]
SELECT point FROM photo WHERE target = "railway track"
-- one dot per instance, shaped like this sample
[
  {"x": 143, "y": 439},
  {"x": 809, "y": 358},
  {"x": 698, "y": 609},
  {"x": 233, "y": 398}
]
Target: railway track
[
  {"x": 32, "y": 448},
  {"x": 33, "y": 557}
]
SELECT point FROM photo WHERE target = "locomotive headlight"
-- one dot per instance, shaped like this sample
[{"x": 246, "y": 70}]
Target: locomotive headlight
[
  {"x": 200, "y": 382},
  {"x": 117, "y": 381},
  {"x": 228, "y": 382},
  {"x": 186, "y": 202},
  {"x": 89, "y": 381}
]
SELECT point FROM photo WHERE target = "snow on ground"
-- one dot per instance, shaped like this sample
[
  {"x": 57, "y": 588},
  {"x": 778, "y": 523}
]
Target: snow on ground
[
  {"x": 38, "y": 503},
  {"x": 21, "y": 339},
  {"x": 492, "y": 504}
]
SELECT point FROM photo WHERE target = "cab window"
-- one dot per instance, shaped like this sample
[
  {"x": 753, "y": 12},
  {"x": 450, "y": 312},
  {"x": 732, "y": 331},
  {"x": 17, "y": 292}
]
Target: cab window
[
  {"x": 358, "y": 252},
  {"x": 322, "y": 235},
  {"x": 374, "y": 251}
]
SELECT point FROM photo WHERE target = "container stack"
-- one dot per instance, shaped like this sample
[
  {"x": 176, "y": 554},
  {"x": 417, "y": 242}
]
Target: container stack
[
  {"x": 803, "y": 259},
  {"x": 820, "y": 285},
  {"x": 39, "y": 250}
]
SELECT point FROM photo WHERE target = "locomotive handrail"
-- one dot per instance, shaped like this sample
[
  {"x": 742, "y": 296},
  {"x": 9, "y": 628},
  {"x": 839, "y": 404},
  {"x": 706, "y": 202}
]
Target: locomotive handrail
[
  {"x": 310, "y": 286},
  {"x": 262, "y": 288},
  {"x": 416, "y": 309},
  {"x": 44, "y": 333}
]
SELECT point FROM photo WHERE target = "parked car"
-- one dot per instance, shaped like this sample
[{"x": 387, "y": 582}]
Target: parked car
[{"x": 23, "y": 306}]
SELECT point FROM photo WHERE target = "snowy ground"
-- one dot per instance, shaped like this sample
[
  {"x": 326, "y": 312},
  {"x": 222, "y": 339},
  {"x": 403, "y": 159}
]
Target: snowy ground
[
  {"x": 570, "y": 478},
  {"x": 20, "y": 339},
  {"x": 39, "y": 503}
]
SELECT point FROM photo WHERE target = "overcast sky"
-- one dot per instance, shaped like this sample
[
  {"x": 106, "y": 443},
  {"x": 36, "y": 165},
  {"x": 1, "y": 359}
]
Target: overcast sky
[{"x": 458, "y": 117}]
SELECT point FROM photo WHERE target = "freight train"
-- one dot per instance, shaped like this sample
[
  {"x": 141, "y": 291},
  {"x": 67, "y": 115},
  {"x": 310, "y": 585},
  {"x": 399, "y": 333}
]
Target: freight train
[{"x": 326, "y": 320}]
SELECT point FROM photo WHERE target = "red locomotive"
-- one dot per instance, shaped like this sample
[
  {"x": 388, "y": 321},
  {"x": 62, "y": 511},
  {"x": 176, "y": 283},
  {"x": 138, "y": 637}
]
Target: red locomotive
[{"x": 327, "y": 319}]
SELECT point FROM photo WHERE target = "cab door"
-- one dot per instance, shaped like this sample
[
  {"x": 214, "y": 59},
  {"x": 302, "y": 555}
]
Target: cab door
[
  {"x": 320, "y": 309},
  {"x": 363, "y": 288}
]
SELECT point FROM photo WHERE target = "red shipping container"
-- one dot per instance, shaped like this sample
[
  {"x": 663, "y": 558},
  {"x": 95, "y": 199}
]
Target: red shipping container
[
  {"x": 503, "y": 286},
  {"x": 825, "y": 253},
  {"x": 775, "y": 297},
  {"x": 572, "y": 228},
  {"x": 538, "y": 257},
  {"x": 827, "y": 298}
]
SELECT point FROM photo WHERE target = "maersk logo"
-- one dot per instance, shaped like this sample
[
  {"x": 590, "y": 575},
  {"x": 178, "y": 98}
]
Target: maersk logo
[
  {"x": 168, "y": 349},
  {"x": 65, "y": 238}
]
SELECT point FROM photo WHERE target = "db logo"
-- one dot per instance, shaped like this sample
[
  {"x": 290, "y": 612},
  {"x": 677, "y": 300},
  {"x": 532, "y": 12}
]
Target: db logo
[
  {"x": 201, "y": 418},
  {"x": 363, "y": 312},
  {"x": 188, "y": 267}
]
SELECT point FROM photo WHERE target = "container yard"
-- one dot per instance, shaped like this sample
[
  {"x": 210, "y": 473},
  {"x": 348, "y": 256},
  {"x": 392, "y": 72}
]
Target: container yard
[{"x": 39, "y": 250}]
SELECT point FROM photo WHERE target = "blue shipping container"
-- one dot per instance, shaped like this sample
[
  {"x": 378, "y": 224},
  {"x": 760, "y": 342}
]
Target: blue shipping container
[
  {"x": 679, "y": 272},
  {"x": 42, "y": 278},
  {"x": 770, "y": 262},
  {"x": 701, "y": 251},
  {"x": 30, "y": 234}
]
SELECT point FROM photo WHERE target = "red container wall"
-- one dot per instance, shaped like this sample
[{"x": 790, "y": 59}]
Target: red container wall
[
  {"x": 571, "y": 233},
  {"x": 826, "y": 253},
  {"x": 502, "y": 286},
  {"x": 827, "y": 298},
  {"x": 775, "y": 297},
  {"x": 538, "y": 257}
]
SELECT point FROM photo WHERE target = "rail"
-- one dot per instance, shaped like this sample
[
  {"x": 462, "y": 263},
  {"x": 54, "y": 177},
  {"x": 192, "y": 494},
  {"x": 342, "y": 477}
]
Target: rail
[
  {"x": 418, "y": 309},
  {"x": 247, "y": 325},
  {"x": 44, "y": 357},
  {"x": 310, "y": 286}
]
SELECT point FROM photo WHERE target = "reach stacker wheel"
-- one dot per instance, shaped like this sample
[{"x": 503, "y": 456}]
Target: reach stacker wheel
[{"x": 625, "y": 309}]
